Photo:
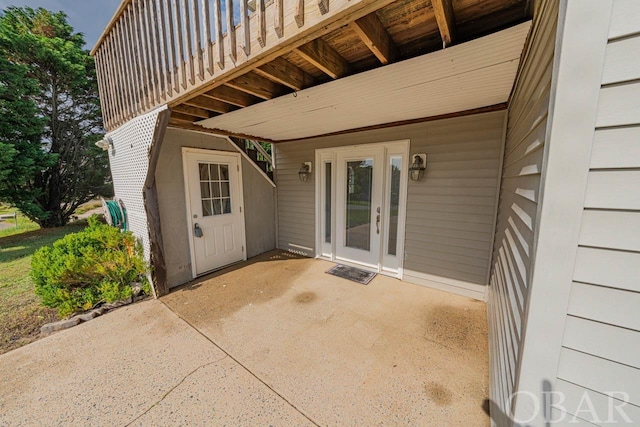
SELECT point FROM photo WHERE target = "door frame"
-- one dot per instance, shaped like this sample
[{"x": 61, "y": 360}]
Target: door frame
[
  {"x": 187, "y": 193},
  {"x": 322, "y": 155}
]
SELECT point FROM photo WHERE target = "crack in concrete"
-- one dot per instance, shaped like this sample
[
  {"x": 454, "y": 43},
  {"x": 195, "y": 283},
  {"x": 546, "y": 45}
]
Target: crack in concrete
[
  {"x": 172, "y": 389},
  {"x": 239, "y": 364}
]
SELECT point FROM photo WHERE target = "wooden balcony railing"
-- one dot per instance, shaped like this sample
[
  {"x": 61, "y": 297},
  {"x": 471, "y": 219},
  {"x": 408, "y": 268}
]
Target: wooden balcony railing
[
  {"x": 204, "y": 58},
  {"x": 156, "y": 52}
]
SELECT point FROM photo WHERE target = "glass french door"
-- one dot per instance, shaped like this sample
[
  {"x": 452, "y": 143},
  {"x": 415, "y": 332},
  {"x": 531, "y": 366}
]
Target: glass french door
[
  {"x": 359, "y": 205},
  {"x": 361, "y": 198}
]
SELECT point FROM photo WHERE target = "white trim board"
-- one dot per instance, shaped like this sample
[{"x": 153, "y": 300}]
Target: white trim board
[
  {"x": 471, "y": 75},
  {"x": 458, "y": 287},
  {"x": 235, "y": 147}
]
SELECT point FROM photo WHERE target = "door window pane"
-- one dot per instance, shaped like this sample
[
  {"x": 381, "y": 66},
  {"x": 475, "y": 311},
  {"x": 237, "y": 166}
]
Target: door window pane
[
  {"x": 327, "y": 202},
  {"x": 224, "y": 186},
  {"x": 215, "y": 174},
  {"x": 215, "y": 191},
  {"x": 358, "y": 209},
  {"x": 394, "y": 204},
  {"x": 205, "y": 191},
  {"x": 224, "y": 172},
  {"x": 204, "y": 171},
  {"x": 207, "y": 210},
  {"x": 226, "y": 206},
  {"x": 217, "y": 207},
  {"x": 216, "y": 188}
]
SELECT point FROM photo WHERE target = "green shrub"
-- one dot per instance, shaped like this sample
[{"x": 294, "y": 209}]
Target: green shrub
[{"x": 82, "y": 269}]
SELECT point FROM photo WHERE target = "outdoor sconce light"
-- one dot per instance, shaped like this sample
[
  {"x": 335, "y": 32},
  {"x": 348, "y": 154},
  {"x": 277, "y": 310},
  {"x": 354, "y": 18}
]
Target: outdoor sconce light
[
  {"x": 416, "y": 171},
  {"x": 105, "y": 143},
  {"x": 305, "y": 171}
]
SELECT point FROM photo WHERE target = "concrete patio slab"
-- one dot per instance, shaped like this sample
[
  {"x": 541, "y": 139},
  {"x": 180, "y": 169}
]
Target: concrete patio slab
[
  {"x": 139, "y": 365},
  {"x": 342, "y": 353}
]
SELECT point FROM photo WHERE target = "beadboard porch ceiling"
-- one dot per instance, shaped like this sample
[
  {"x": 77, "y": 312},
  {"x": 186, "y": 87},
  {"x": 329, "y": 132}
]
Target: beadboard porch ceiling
[{"x": 466, "y": 77}]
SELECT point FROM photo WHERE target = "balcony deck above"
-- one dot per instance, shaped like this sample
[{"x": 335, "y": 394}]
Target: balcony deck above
[{"x": 209, "y": 57}]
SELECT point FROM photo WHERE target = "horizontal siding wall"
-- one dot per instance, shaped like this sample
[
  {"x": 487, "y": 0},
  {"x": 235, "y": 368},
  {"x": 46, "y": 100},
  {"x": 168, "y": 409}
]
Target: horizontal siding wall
[
  {"x": 450, "y": 213},
  {"x": 518, "y": 206},
  {"x": 601, "y": 346}
]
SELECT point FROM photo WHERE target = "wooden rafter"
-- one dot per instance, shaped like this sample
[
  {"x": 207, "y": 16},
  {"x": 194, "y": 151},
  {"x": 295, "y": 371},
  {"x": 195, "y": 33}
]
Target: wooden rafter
[
  {"x": 231, "y": 96},
  {"x": 284, "y": 72},
  {"x": 445, "y": 18},
  {"x": 256, "y": 85},
  {"x": 210, "y": 104},
  {"x": 185, "y": 118},
  {"x": 375, "y": 36},
  {"x": 192, "y": 111},
  {"x": 321, "y": 55}
]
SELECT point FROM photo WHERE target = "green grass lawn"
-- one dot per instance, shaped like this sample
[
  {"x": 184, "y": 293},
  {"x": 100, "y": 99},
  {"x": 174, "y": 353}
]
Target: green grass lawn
[
  {"x": 21, "y": 313},
  {"x": 94, "y": 204},
  {"x": 8, "y": 226}
]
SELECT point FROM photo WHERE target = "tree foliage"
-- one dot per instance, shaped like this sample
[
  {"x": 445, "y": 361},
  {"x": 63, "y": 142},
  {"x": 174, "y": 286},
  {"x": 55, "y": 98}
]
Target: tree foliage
[{"x": 50, "y": 117}]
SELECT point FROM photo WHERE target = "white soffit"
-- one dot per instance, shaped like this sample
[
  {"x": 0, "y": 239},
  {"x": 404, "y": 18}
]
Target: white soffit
[{"x": 475, "y": 74}]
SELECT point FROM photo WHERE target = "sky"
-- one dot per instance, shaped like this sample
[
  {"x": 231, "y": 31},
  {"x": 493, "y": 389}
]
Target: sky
[{"x": 89, "y": 17}]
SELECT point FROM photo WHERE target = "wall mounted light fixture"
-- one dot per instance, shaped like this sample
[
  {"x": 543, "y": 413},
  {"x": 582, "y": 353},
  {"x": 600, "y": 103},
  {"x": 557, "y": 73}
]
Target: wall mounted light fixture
[
  {"x": 305, "y": 171},
  {"x": 416, "y": 171},
  {"x": 105, "y": 143}
]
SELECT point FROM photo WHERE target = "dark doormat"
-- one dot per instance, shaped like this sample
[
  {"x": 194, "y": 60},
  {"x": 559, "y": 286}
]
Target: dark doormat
[{"x": 352, "y": 273}]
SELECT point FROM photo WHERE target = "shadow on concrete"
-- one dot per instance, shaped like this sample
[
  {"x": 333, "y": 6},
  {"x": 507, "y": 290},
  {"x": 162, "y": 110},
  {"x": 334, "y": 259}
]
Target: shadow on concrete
[{"x": 219, "y": 294}]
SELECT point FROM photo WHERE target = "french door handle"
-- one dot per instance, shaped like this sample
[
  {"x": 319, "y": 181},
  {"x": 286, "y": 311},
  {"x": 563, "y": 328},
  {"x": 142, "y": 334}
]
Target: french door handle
[{"x": 378, "y": 224}]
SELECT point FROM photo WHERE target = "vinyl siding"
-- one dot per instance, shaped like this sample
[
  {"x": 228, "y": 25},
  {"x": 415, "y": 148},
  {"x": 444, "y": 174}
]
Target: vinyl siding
[
  {"x": 450, "y": 213},
  {"x": 518, "y": 207},
  {"x": 602, "y": 332}
]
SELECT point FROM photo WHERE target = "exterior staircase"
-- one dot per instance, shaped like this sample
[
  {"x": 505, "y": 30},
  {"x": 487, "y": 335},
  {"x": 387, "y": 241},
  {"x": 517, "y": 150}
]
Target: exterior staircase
[{"x": 258, "y": 155}]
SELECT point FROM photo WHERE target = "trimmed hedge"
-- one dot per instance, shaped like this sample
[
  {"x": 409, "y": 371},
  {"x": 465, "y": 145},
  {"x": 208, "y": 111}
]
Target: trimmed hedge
[{"x": 97, "y": 264}]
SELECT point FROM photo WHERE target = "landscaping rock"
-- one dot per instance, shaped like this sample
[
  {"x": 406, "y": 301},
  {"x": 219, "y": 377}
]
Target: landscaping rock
[
  {"x": 136, "y": 287},
  {"x": 85, "y": 317},
  {"x": 59, "y": 326},
  {"x": 112, "y": 305}
]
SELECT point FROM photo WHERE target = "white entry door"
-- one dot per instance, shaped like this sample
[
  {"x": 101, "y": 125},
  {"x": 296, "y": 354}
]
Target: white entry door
[
  {"x": 214, "y": 199},
  {"x": 359, "y": 205},
  {"x": 361, "y": 197}
]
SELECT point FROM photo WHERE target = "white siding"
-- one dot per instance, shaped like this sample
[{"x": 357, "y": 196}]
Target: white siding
[
  {"x": 519, "y": 197},
  {"x": 601, "y": 343},
  {"x": 450, "y": 213}
]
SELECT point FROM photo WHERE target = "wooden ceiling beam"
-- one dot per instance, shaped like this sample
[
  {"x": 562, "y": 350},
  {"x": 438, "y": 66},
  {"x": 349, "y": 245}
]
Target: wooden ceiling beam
[
  {"x": 209, "y": 104},
  {"x": 373, "y": 33},
  {"x": 231, "y": 96},
  {"x": 256, "y": 85},
  {"x": 284, "y": 72},
  {"x": 184, "y": 118},
  {"x": 193, "y": 111},
  {"x": 321, "y": 55},
  {"x": 446, "y": 20}
]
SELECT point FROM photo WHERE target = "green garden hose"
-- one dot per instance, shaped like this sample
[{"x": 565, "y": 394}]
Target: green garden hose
[{"x": 118, "y": 217}]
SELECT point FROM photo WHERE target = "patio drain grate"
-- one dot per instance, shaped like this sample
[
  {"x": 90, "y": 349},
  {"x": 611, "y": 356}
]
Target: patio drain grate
[{"x": 351, "y": 273}]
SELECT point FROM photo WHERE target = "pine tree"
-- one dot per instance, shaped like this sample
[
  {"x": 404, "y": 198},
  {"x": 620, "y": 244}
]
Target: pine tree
[{"x": 48, "y": 87}]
